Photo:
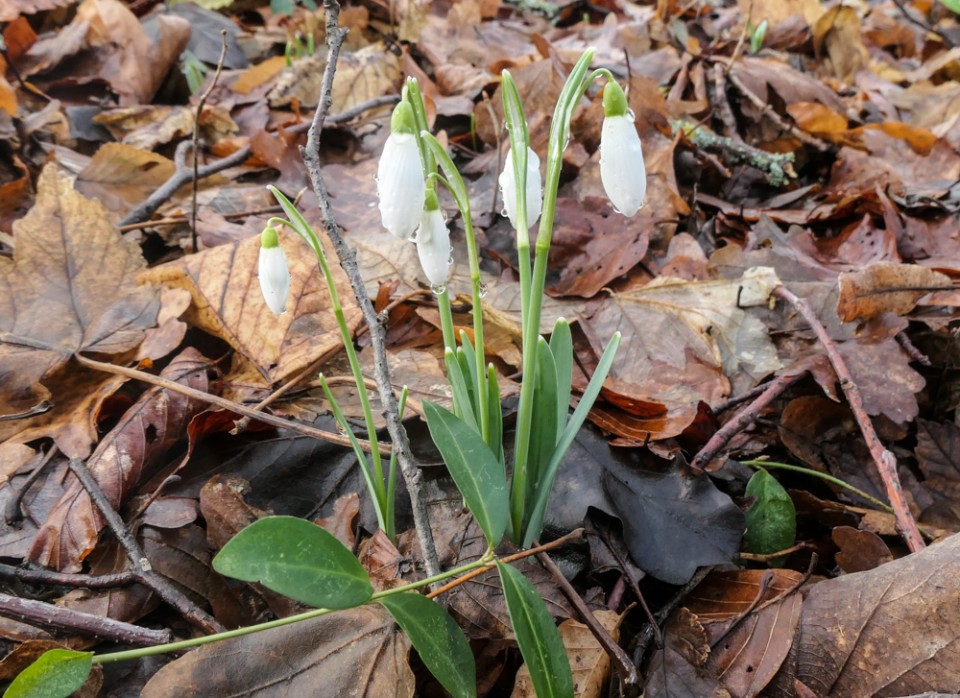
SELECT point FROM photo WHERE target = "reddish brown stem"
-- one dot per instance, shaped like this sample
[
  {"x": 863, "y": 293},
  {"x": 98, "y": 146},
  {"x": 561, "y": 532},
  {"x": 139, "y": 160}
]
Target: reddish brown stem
[
  {"x": 744, "y": 418},
  {"x": 885, "y": 461}
]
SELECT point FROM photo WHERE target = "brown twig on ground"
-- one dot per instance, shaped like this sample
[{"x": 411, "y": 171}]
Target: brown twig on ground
[
  {"x": 223, "y": 403},
  {"x": 183, "y": 174},
  {"x": 885, "y": 461},
  {"x": 915, "y": 354},
  {"x": 643, "y": 639},
  {"x": 47, "y": 615},
  {"x": 65, "y": 579},
  {"x": 574, "y": 536},
  {"x": 348, "y": 261},
  {"x": 625, "y": 667},
  {"x": 723, "y": 104},
  {"x": 141, "y": 565},
  {"x": 767, "y": 111},
  {"x": 196, "y": 138},
  {"x": 743, "y": 419}
]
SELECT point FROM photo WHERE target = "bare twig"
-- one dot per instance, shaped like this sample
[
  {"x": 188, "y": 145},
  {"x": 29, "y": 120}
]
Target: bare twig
[
  {"x": 196, "y": 138},
  {"x": 141, "y": 565},
  {"x": 923, "y": 25},
  {"x": 65, "y": 579},
  {"x": 744, "y": 418},
  {"x": 644, "y": 638},
  {"x": 768, "y": 111},
  {"x": 915, "y": 354},
  {"x": 223, "y": 403},
  {"x": 885, "y": 461},
  {"x": 348, "y": 260},
  {"x": 625, "y": 667},
  {"x": 61, "y": 619},
  {"x": 183, "y": 174}
]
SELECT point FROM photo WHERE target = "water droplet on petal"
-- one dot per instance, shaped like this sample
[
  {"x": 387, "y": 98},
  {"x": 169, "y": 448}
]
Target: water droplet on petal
[
  {"x": 438, "y": 289},
  {"x": 503, "y": 212}
]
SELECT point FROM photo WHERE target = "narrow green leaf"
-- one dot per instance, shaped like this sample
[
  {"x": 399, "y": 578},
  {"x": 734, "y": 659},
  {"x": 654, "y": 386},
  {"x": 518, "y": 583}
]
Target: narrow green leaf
[
  {"x": 467, "y": 357},
  {"x": 543, "y": 435},
  {"x": 462, "y": 400},
  {"x": 438, "y": 640},
  {"x": 298, "y": 222},
  {"x": 561, "y": 344},
  {"x": 56, "y": 674},
  {"x": 576, "y": 421},
  {"x": 496, "y": 414},
  {"x": 474, "y": 467},
  {"x": 296, "y": 558},
  {"x": 772, "y": 520},
  {"x": 952, "y": 5},
  {"x": 537, "y": 636}
]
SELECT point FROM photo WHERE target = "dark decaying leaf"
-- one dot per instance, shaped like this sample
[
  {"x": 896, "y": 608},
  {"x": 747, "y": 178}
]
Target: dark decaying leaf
[
  {"x": 358, "y": 653},
  {"x": 671, "y": 511},
  {"x": 938, "y": 457},
  {"x": 125, "y": 457}
]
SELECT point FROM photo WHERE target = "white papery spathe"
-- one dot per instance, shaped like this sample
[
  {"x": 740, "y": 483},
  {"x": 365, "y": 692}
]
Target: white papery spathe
[
  {"x": 400, "y": 183},
  {"x": 433, "y": 246},
  {"x": 508, "y": 188},
  {"x": 272, "y": 271},
  {"x": 622, "y": 171}
]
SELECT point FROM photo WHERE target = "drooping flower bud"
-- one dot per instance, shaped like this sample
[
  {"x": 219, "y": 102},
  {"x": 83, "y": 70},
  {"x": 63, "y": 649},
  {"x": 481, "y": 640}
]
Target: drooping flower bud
[
  {"x": 400, "y": 182},
  {"x": 273, "y": 272},
  {"x": 508, "y": 188},
  {"x": 622, "y": 171},
  {"x": 433, "y": 242}
]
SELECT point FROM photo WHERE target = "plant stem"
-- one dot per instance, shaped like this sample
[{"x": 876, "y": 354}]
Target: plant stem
[
  {"x": 760, "y": 463},
  {"x": 484, "y": 561}
]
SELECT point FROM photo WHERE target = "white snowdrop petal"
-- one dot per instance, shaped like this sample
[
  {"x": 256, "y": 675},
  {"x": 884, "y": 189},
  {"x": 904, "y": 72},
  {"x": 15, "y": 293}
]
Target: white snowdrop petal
[
  {"x": 508, "y": 188},
  {"x": 274, "y": 278},
  {"x": 400, "y": 185},
  {"x": 622, "y": 171},
  {"x": 433, "y": 246}
]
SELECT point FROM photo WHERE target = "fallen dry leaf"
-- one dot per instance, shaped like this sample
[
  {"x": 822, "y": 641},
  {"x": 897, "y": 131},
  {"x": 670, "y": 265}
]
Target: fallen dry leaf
[
  {"x": 123, "y": 459},
  {"x": 69, "y": 288},
  {"x": 358, "y": 653},
  {"x": 886, "y": 288}
]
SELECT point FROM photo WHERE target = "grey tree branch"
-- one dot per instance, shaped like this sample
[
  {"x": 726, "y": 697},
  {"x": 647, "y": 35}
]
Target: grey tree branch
[{"x": 348, "y": 260}]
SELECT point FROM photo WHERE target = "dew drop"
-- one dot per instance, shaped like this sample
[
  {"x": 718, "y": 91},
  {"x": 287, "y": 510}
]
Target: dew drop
[
  {"x": 438, "y": 289},
  {"x": 503, "y": 212},
  {"x": 483, "y": 290},
  {"x": 450, "y": 261}
]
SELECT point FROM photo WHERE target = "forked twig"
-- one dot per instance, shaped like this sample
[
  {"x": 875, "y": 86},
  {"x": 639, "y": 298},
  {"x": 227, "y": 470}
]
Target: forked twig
[{"x": 348, "y": 260}]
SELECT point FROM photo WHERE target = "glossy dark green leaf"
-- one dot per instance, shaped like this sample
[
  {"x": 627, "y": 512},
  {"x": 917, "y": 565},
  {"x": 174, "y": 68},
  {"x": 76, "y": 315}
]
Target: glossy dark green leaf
[
  {"x": 473, "y": 466},
  {"x": 56, "y": 674},
  {"x": 495, "y": 412},
  {"x": 772, "y": 520},
  {"x": 462, "y": 399},
  {"x": 543, "y": 435},
  {"x": 561, "y": 346},
  {"x": 537, "y": 636},
  {"x": 296, "y": 558},
  {"x": 439, "y": 641}
]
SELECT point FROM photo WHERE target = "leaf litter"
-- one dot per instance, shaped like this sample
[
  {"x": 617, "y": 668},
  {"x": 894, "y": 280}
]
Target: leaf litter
[{"x": 861, "y": 224}]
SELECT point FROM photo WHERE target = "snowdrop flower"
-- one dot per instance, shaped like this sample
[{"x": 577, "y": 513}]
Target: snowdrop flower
[
  {"x": 433, "y": 243},
  {"x": 508, "y": 188},
  {"x": 272, "y": 270},
  {"x": 400, "y": 183},
  {"x": 622, "y": 170}
]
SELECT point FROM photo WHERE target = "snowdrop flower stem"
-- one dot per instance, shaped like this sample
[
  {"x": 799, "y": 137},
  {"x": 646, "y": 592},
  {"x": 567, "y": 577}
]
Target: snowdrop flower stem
[
  {"x": 413, "y": 96},
  {"x": 374, "y": 477},
  {"x": 454, "y": 182}
]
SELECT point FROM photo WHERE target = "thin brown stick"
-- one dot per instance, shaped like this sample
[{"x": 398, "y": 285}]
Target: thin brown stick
[
  {"x": 183, "y": 174},
  {"x": 767, "y": 111},
  {"x": 196, "y": 137},
  {"x": 61, "y": 619},
  {"x": 223, "y": 403},
  {"x": 12, "y": 513},
  {"x": 572, "y": 537},
  {"x": 743, "y": 419},
  {"x": 348, "y": 261},
  {"x": 138, "y": 559},
  {"x": 65, "y": 579},
  {"x": 625, "y": 667},
  {"x": 885, "y": 461}
]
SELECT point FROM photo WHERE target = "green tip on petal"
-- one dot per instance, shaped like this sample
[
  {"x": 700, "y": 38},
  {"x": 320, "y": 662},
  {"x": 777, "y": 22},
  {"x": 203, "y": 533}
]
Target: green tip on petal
[
  {"x": 431, "y": 203},
  {"x": 403, "y": 120},
  {"x": 614, "y": 101},
  {"x": 269, "y": 238}
]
